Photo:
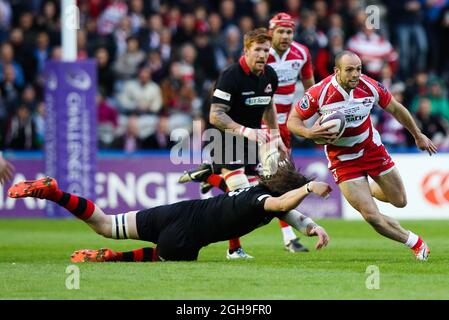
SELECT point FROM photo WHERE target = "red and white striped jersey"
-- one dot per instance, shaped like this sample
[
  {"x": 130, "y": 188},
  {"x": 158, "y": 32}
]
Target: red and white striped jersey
[
  {"x": 294, "y": 62},
  {"x": 328, "y": 96}
]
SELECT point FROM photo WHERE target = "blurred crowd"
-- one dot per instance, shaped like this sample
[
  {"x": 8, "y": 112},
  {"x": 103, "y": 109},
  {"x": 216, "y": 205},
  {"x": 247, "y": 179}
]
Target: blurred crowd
[{"x": 157, "y": 61}]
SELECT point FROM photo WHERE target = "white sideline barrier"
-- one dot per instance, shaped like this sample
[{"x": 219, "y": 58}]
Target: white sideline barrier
[{"x": 426, "y": 181}]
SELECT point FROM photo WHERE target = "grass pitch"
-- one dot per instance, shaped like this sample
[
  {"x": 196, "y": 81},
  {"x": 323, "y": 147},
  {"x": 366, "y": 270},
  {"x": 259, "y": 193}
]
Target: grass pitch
[{"x": 34, "y": 256}]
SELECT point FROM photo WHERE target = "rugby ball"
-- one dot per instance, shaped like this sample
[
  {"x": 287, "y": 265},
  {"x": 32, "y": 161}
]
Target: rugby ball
[{"x": 335, "y": 122}]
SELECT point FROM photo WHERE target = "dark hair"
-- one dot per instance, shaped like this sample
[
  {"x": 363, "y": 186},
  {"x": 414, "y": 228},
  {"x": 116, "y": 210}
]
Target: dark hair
[{"x": 285, "y": 179}]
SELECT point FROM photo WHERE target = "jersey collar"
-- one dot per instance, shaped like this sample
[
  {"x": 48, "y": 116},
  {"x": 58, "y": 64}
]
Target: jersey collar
[
  {"x": 340, "y": 89},
  {"x": 244, "y": 65},
  {"x": 280, "y": 58}
]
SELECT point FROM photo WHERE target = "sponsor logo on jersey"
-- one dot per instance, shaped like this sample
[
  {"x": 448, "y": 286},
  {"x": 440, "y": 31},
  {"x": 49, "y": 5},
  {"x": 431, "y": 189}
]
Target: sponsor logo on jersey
[
  {"x": 296, "y": 65},
  {"x": 382, "y": 87},
  {"x": 304, "y": 105},
  {"x": 268, "y": 89},
  {"x": 222, "y": 95},
  {"x": 248, "y": 93},
  {"x": 257, "y": 101},
  {"x": 352, "y": 118},
  {"x": 368, "y": 102}
]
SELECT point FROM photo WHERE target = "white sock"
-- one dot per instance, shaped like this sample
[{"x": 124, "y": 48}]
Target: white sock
[
  {"x": 119, "y": 226},
  {"x": 412, "y": 239},
  {"x": 288, "y": 234}
]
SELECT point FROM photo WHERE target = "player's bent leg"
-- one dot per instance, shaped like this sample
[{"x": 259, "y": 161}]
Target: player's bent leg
[
  {"x": 358, "y": 194},
  {"x": 389, "y": 187},
  {"x": 47, "y": 188}
]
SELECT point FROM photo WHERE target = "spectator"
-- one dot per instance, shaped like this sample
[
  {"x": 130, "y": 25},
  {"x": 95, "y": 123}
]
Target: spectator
[
  {"x": 233, "y": 46},
  {"x": 443, "y": 31},
  {"x": 121, "y": 35},
  {"x": 293, "y": 8},
  {"x": 200, "y": 14},
  {"x": 107, "y": 118},
  {"x": 228, "y": 15},
  {"x": 150, "y": 36},
  {"x": 5, "y": 19},
  {"x": 188, "y": 56},
  {"x": 205, "y": 64},
  {"x": 130, "y": 141},
  {"x": 437, "y": 97},
  {"x": 417, "y": 87},
  {"x": 246, "y": 24},
  {"x": 326, "y": 56},
  {"x": 21, "y": 133},
  {"x": 165, "y": 47},
  {"x": 374, "y": 51},
  {"x": 140, "y": 96},
  {"x": 26, "y": 24},
  {"x": 393, "y": 133},
  {"x": 405, "y": 16},
  {"x": 157, "y": 67},
  {"x": 261, "y": 14},
  {"x": 320, "y": 7},
  {"x": 432, "y": 125},
  {"x": 106, "y": 77},
  {"x": 127, "y": 64},
  {"x": 386, "y": 77},
  {"x": 9, "y": 89},
  {"x": 29, "y": 98},
  {"x": 111, "y": 16},
  {"x": 7, "y": 58},
  {"x": 178, "y": 96},
  {"x": 160, "y": 139},
  {"x": 186, "y": 32},
  {"x": 42, "y": 51},
  {"x": 39, "y": 121},
  {"x": 136, "y": 15},
  {"x": 308, "y": 34}
]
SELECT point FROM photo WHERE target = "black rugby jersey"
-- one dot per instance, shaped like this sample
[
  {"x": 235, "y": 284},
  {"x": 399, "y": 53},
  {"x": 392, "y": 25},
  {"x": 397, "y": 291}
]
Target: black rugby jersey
[
  {"x": 227, "y": 216},
  {"x": 248, "y": 95}
]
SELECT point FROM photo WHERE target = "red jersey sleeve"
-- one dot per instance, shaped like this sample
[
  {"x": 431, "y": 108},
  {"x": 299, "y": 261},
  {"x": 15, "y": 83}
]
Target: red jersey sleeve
[
  {"x": 308, "y": 105},
  {"x": 384, "y": 94},
  {"x": 307, "y": 68}
]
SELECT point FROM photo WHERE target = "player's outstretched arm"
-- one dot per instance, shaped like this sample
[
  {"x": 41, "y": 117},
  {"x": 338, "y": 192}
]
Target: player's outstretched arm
[
  {"x": 306, "y": 226},
  {"x": 405, "y": 118},
  {"x": 293, "y": 198}
]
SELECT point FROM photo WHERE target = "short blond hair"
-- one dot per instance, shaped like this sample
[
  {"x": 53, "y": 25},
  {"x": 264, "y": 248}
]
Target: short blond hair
[{"x": 259, "y": 35}]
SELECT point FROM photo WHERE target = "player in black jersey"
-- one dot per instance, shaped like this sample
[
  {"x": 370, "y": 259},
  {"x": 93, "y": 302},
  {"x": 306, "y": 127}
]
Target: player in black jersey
[
  {"x": 181, "y": 229},
  {"x": 242, "y": 97}
]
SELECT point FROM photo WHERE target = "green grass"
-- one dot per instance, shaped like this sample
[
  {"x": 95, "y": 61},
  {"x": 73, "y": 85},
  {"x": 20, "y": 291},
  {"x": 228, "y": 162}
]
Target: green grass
[{"x": 34, "y": 255}]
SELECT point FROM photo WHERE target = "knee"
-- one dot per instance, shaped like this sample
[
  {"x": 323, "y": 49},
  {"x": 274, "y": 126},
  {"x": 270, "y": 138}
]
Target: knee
[
  {"x": 400, "y": 202},
  {"x": 103, "y": 229}
]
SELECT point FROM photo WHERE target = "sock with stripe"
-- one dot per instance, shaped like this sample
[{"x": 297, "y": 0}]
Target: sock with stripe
[
  {"x": 80, "y": 207},
  {"x": 139, "y": 255},
  {"x": 413, "y": 241}
]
